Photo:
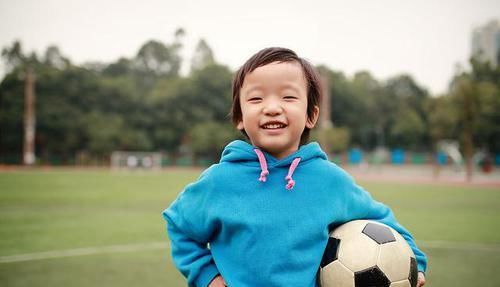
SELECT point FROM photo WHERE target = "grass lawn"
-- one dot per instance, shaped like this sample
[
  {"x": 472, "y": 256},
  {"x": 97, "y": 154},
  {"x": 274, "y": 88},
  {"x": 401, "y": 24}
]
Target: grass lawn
[{"x": 59, "y": 210}]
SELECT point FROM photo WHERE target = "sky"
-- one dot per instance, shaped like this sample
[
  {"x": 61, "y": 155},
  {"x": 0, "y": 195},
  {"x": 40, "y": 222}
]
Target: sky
[{"x": 426, "y": 39}]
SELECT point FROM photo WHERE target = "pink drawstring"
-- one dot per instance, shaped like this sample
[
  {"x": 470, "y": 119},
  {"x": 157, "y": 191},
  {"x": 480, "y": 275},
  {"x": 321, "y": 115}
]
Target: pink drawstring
[
  {"x": 291, "y": 182},
  {"x": 265, "y": 172},
  {"x": 263, "y": 165}
]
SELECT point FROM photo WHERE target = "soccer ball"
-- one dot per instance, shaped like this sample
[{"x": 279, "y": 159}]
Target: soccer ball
[{"x": 364, "y": 253}]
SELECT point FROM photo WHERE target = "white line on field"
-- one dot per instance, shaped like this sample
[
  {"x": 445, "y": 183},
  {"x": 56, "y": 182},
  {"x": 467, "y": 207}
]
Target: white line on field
[
  {"x": 165, "y": 245},
  {"x": 85, "y": 251}
]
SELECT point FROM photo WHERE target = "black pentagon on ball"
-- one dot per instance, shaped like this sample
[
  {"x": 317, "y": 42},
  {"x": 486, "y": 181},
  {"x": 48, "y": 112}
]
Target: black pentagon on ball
[
  {"x": 413, "y": 272},
  {"x": 380, "y": 233},
  {"x": 331, "y": 251},
  {"x": 371, "y": 277}
]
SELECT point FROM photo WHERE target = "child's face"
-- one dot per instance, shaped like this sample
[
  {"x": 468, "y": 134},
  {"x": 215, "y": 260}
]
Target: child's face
[{"x": 274, "y": 107}]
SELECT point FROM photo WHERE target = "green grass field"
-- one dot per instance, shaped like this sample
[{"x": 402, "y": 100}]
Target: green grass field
[{"x": 458, "y": 227}]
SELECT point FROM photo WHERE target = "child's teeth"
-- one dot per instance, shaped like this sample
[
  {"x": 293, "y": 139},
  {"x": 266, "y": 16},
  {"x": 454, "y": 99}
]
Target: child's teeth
[{"x": 273, "y": 126}]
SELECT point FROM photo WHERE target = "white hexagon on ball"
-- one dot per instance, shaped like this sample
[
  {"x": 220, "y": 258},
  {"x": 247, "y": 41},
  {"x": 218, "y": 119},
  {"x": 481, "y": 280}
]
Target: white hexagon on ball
[{"x": 352, "y": 247}]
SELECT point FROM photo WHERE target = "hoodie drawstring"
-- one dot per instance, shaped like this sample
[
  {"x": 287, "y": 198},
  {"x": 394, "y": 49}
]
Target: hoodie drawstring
[
  {"x": 291, "y": 182},
  {"x": 263, "y": 166}
]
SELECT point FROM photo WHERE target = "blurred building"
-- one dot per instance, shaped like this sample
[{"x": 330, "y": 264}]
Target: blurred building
[{"x": 486, "y": 42}]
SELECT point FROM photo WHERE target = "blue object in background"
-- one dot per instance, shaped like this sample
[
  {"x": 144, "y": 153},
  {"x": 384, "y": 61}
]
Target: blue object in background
[
  {"x": 398, "y": 156},
  {"x": 355, "y": 156},
  {"x": 497, "y": 159},
  {"x": 441, "y": 158}
]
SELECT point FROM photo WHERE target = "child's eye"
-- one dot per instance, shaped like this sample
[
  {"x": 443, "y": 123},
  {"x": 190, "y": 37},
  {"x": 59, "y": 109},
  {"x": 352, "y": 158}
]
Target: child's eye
[
  {"x": 254, "y": 99},
  {"x": 290, "y": 97}
]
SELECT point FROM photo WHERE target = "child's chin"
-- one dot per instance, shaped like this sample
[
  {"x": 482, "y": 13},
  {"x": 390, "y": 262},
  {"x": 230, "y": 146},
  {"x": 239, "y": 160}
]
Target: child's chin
[
  {"x": 274, "y": 132},
  {"x": 275, "y": 147}
]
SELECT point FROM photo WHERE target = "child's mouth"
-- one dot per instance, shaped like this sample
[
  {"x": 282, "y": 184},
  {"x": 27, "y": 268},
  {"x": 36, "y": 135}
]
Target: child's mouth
[{"x": 273, "y": 126}]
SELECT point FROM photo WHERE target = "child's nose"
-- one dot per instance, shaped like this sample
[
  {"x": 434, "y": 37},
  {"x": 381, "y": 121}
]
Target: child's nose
[{"x": 273, "y": 108}]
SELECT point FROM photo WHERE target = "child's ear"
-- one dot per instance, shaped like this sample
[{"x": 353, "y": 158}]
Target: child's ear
[
  {"x": 311, "y": 122},
  {"x": 239, "y": 126}
]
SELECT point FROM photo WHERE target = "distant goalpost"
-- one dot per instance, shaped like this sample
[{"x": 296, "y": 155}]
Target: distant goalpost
[{"x": 127, "y": 160}]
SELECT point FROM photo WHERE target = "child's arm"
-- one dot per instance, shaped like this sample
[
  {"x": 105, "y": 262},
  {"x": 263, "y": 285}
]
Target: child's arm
[
  {"x": 189, "y": 230},
  {"x": 192, "y": 258},
  {"x": 361, "y": 205}
]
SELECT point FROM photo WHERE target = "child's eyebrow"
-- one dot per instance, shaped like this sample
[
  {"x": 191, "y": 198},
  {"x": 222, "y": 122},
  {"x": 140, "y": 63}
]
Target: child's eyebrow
[
  {"x": 252, "y": 88},
  {"x": 291, "y": 86}
]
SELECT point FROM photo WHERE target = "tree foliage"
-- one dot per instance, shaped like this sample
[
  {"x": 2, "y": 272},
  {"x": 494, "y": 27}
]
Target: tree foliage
[
  {"x": 203, "y": 56},
  {"x": 144, "y": 103}
]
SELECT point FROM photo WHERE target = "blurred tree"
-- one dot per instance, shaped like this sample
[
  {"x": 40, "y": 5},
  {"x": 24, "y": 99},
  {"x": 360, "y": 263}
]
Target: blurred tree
[
  {"x": 346, "y": 104},
  {"x": 464, "y": 94},
  {"x": 476, "y": 98},
  {"x": 212, "y": 88},
  {"x": 382, "y": 107},
  {"x": 156, "y": 59},
  {"x": 408, "y": 121},
  {"x": 405, "y": 87},
  {"x": 107, "y": 132},
  {"x": 369, "y": 130},
  {"x": 13, "y": 56},
  {"x": 337, "y": 138},
  {"x": 487, "y": 130},
  {"x": 483, "y": 71},
  {"x": 153, "y": 61},
  {"x": 122, "y": 67},
  {"x": 408, "y": 128},
  {"x": 487, "y": 126},
  {"x": 54, "y": 58},
  {"x": 203, "y": 56},
  {"x": 182, "y": 103},
  {"x": 343, "y": 103},
  {"x": 11, "y": 119},
  {"x": 209, "y": 138},
  {"x": 103, "y": 132},
  {"x": 144, "y": 104},
  {"x": 443, "y": 119},
  {"x": 179, "y": 34},
  {"x": 61, "y": 110},
  {"x": 171, "y": 112}
]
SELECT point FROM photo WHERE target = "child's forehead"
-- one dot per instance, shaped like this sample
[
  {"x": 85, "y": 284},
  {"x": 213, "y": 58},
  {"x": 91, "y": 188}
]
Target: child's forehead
[
  {"x": 279, "y": 65},
  {"x": 286, "y": 72}
]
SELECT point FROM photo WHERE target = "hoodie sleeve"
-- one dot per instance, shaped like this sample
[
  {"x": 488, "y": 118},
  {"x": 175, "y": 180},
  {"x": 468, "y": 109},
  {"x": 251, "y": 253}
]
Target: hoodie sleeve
[
  {"x": 361, "y": 205},
  {"x": 189, "y": 229}
]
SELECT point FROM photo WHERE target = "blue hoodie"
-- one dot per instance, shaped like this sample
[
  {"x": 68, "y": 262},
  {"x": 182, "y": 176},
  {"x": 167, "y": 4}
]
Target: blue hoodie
[{"x": 259, "y": 232}]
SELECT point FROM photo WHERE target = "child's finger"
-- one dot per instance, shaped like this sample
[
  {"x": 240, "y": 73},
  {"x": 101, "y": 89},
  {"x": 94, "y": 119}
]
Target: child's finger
[{"x": 421, "y": 279}]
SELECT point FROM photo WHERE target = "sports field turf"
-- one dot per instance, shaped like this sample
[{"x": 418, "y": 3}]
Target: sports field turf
[{"x": 103, "y": 228}]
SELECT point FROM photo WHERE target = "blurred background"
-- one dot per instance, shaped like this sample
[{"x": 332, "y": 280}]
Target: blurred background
[{"x": 109, "y": 108}]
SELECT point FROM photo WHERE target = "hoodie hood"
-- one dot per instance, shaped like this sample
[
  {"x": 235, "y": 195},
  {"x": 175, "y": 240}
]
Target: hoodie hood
[{"x": 241, "y": 152}]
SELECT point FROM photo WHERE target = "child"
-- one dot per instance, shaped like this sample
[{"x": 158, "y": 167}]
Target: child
[{"x": 261, "y": 217}]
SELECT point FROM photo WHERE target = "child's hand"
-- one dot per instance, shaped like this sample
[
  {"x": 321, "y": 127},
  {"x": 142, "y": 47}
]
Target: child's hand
[
  {"x": 219, "y": 282},
  {"x": 421, "y": 279}
]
